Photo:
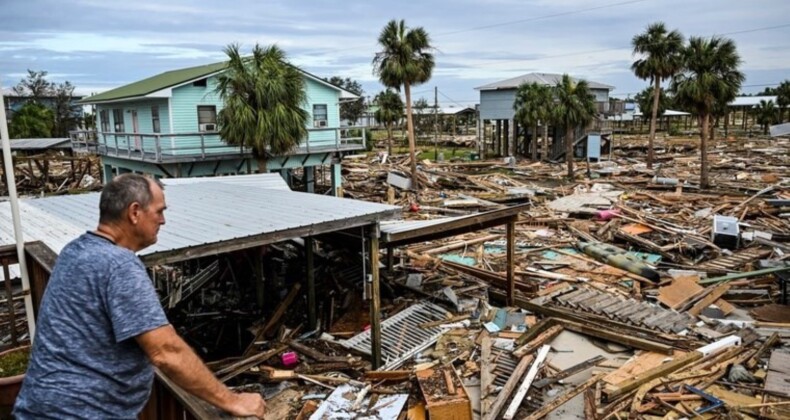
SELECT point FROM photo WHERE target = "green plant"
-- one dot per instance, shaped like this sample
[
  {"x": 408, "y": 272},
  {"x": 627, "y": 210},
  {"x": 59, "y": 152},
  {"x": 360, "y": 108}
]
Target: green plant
[{"x": 14, "y": 363}]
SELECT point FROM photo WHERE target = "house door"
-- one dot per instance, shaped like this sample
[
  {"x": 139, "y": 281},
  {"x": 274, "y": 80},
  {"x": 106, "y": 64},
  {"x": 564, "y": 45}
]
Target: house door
[{"x": 136, "y": 129}]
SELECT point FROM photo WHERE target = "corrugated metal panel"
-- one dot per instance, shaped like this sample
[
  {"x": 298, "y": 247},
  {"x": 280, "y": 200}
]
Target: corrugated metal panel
[
  {"x": 399, "y": 226},
  {"x": 35, "y": 144},
  {"x": 198, "y": 214},
  {"x": 749, "y": 101},
  {"x": 401, "y": 336},
  {"x": 542, "y": 78},
  {"x": 271, "y": 181},
  {"x": 780, "y": 130}
]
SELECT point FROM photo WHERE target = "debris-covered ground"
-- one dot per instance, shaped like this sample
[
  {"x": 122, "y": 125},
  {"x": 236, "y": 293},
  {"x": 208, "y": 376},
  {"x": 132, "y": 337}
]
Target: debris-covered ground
[{"x": 638, "y": 295}]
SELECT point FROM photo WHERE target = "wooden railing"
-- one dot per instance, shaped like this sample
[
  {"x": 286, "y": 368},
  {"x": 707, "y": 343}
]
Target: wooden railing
[
  {"x": 40, "y": 261},
  {"x": 162, "y": 148}
]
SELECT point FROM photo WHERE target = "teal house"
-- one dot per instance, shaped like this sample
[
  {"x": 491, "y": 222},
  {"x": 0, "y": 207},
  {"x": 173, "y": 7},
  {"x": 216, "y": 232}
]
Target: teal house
[{"x": 166, "y": 126}]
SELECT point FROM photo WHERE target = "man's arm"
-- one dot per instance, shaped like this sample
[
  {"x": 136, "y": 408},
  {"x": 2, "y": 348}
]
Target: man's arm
[{"x": 168, "y": 352}]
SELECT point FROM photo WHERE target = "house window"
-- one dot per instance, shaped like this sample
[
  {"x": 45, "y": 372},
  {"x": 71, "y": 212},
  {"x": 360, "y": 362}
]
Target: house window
[
  {"x": 117, "y": 117},
  {"x": 104, "y": 116},
  {"x": 207, "y": 118},
  {"x": 319, "y": 115},
  {"x": 155, "y": 124}
]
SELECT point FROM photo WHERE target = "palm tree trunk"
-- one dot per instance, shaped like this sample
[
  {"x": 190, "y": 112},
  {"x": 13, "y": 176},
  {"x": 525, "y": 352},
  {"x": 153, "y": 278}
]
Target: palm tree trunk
[
  {"x": 569, "y": 140},
  {"x": 410, "y": 128},
  {"x": 656, "y": 94},
  {"x": 703, "y": 149},
  {"x": 534, "y": 145},
  {"x": 545, "y": 141}
]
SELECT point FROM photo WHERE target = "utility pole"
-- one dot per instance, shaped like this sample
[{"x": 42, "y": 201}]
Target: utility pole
[{"x": 436, "y": 123}]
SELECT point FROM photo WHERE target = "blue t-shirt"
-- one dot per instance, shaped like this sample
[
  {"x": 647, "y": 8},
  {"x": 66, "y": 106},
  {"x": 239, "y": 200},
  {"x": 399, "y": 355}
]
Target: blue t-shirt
[{"x": 85, "y": 361}]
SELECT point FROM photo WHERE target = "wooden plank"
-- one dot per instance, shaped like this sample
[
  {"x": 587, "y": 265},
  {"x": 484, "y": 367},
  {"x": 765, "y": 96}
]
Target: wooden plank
[
  {"x": 510, "y": 385},
  {"x": 511, "y": 262},
  {"x": 375, "y": 304},
  {"x": 524, "y": 388},
  {"x": 647, "y": 376},
  {"x": 557, "y": 402},
  {"x": 569, "y": 371},
  {"x": 713, "y": 296},
  {"x": 544, "y": 337},
  {"x": 627, "y": 340},
  {"x": 486, "y": 376},
  {"x": 679, "y": 292}
]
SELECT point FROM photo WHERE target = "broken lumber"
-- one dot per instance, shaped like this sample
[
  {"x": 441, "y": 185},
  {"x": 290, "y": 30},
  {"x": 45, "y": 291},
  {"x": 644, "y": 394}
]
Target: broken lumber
[
  {"x": 524, "y": 388},
  {"x": 557, "y": 402},
  {"x": 510, "y": 385}
]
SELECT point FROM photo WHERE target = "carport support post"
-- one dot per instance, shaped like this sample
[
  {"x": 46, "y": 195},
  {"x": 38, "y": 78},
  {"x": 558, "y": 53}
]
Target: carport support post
[
  {"x": 337, "y": 180},
  {"x": 375, "y": 301},
  {"x": 311, "y": 306},
  {"x": 511, "y": 262}
]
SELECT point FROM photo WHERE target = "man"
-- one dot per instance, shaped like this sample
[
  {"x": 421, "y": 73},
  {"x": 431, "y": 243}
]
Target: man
[{"x": 101, "y": 326}]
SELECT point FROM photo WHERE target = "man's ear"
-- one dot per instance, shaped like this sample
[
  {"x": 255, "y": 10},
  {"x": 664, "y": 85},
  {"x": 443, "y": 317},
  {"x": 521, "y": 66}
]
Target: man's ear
[{"x": 133, "y": 212}]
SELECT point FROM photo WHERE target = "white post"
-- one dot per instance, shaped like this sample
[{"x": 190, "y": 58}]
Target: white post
[{"x": 20, "y": 242}]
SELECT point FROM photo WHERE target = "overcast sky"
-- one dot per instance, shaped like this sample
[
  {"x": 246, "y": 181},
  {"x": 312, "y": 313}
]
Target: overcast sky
[{"x": 102, "y": 44}]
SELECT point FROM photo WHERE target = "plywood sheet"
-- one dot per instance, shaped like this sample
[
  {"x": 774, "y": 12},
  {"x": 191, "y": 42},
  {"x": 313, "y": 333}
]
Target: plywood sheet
[{"x": 679, "y": 292}]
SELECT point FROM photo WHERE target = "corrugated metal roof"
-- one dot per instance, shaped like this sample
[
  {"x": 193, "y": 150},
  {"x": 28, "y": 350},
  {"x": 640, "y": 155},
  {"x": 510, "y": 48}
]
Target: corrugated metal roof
[
  {"x": 268, "y": 180},
  {"x": 38, "y": 144},
  {"x": 751, "y": 100},
  {"x": 549, "y": 79},
  {"x": 198, "y": 214}
]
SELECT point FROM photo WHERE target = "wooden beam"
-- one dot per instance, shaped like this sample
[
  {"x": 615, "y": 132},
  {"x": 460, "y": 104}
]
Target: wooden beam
[
  {"x": 616, "y": 337},
  {"x": 375, "y": 303},
  {"x": 570, "y": 371},
  {"x": 540, "y": 340},
  {"x": 486, "y": 373},
  {"x": 312, "y": 319},
  {"x": 524, "y": 388},
  {"x": 510, "y": 385},
  {"x": 706, "y": 301},
  {"x": 614, "y": 391},
  {"x": 511, "y": 262},
  {"x": 555, "y": 403}
]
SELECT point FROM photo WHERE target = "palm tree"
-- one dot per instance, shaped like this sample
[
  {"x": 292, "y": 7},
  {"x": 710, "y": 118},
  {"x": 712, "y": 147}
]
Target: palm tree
[
  {"x": 389, "y": 112},
  {"x": 405, "y": 59},
  {"x": 263, "y": 99},
  {"x": 710, "y": 77},
  {"x": 533, "y": 105},
  {"x": 766, "y": 114},
  {"x": 574, "y": 107},
  {"x": 662, "y": 59},
  {"x": 783, "y": 98}
]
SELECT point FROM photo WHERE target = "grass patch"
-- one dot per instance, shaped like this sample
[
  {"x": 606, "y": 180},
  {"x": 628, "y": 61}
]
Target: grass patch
[{"x": 14, "y": 363}]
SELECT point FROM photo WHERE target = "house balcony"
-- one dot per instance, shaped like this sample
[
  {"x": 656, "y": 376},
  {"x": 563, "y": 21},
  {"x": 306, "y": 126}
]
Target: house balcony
[{"x": 193, "y": 147}]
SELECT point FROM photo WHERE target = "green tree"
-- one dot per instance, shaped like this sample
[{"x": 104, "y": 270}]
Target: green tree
[
  {"x": 263, "y": 100},
  {"x": 766, "y": 113},
  {"x": 35, "y": 86},
  {"x": 662, "y": 58},
  {"x": 350, "y": 109},
  {"x": 422, "y": 117},
  {"x": 783, "y": 98},
  {"x": 645, "y": 101},
  {"x": 389, "y": 112},
  {"x": 66, "y": 114},
  {"x": 574, "y": 107},
  {"x": 711, "y": 76},
  {"x": 32, "y": 120},
  {"x": 533, "y": 105},
  {"x": 405, "y": 59}
]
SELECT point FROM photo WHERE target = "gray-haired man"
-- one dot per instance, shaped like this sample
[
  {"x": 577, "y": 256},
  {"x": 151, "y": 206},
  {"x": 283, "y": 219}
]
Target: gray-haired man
[{"x": 101, "y": 327}]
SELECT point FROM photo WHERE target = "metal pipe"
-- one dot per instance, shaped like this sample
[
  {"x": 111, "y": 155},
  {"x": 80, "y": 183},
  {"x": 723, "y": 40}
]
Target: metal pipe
[{"x": 12, "y": 197}]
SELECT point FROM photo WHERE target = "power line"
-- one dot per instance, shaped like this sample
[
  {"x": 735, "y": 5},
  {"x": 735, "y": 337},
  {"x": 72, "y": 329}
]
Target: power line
[{"x": 553, "y": 15}]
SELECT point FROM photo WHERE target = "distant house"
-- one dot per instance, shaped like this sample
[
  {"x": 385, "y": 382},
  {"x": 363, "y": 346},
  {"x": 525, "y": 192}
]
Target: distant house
[
  {"x": 496, "y": 107},
  {"x": 166, "y": 126},
  {"x": 13, "y": 102}
]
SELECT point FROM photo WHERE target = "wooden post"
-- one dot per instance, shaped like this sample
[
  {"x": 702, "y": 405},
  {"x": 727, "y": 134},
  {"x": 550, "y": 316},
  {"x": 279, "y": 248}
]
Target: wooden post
[
  {"x": 390, "y": 259},
  {"x": 375, "y": 301},
  {"x": 311, "y": 303},
  {"x": 10, "y": 297},
  {"x": 257, "y": 261},
  {"x": 511, "y": 262}
]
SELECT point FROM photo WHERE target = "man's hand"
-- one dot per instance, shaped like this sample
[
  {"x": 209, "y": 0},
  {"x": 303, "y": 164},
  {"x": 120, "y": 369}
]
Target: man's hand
[{"x": 248, "y": 404}]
